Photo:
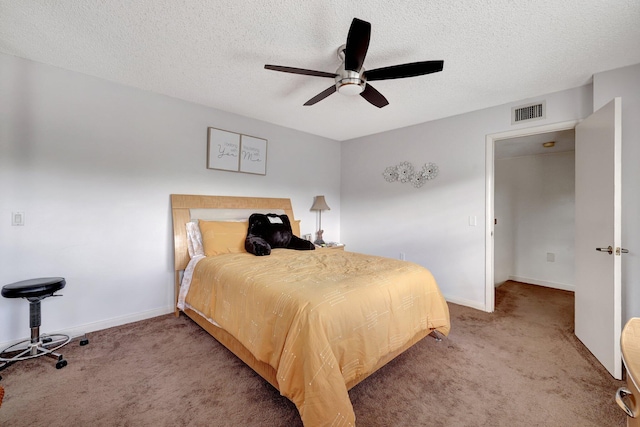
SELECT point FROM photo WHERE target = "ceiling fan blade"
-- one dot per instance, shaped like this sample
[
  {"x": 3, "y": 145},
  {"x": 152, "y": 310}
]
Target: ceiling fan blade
[
  {"x": 357, "y": 44},
  {"x": 405, "y": 70},
  {"x": 374, "y": 97},
  {"x": 322, "y": 95},
  {"x": 300, "y": 71}
]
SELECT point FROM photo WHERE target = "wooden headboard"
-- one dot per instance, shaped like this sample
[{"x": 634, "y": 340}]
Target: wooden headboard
[{"x": 181, "y": 205}]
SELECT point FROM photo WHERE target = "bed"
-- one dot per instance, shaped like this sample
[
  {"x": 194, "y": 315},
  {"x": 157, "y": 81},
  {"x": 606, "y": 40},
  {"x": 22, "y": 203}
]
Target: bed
[{"x": 311, "y": 323}]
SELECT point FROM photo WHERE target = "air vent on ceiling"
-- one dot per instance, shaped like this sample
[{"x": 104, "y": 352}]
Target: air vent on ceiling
[{"x": 528, "y": 112}]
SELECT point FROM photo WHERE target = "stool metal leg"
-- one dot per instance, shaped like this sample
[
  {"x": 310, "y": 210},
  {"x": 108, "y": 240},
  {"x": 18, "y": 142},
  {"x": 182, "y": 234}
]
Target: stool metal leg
[{"x": 35, "y": 320}]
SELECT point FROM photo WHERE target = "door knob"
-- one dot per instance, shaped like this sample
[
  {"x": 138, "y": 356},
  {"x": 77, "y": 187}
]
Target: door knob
[
  {"x": 621, "y": 251},
  {"x": 608, "y": 250}
]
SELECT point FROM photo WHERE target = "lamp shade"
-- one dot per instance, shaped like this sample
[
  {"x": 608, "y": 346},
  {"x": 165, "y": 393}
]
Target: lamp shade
[{"x": 319, "y": 204}]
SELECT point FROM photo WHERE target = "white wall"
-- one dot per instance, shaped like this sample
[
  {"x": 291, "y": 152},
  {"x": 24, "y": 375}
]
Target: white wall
[
  {"x": 534, "y": 206},
  {"x": 431, "y": 224},
  {"x": 92, "y": 163},
  {"x": 625, "y": 82}
]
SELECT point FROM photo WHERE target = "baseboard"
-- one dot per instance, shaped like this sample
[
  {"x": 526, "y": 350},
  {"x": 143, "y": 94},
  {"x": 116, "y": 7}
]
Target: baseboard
[
  {"x": 80, "y": 330},
  {"x": 546, "y": 284},
  {"x": 467, "y": 303}
]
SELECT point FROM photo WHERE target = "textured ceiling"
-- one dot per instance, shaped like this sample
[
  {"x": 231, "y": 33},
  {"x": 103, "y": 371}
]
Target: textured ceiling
[{"x": 213, "y": 52}]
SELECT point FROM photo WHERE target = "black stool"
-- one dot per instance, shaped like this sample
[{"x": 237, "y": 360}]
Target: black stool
[{"x": 34, "y": 290}]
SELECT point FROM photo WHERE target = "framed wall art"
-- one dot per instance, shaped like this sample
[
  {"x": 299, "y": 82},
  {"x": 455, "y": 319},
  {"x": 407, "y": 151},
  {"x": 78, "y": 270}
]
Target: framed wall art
[
  {"x": 253, "y": 155},
  {"x": 235, "y": 152},
  {"x": 223, "y": 150}
]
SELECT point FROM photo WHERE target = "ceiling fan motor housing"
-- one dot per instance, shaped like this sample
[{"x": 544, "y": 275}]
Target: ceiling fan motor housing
[{"x": 349, "y": 82}]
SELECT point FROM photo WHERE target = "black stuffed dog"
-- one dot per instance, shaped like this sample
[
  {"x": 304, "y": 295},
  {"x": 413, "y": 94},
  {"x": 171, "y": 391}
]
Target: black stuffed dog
[{"x": 267, "y": 231}]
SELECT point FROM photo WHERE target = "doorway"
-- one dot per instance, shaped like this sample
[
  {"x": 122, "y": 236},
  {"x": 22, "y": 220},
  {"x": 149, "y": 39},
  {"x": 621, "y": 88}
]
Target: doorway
[
  {"x": 534, "y": 207},
  {"x": 532, "y": 135}
]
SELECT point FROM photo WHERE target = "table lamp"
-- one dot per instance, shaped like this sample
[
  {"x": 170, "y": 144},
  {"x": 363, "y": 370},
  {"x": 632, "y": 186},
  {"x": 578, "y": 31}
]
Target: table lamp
[{"x": 319, "y": 204}]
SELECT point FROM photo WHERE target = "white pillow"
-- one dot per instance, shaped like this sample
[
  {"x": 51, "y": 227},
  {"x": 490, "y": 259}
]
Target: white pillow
[{"x": 194, "y": 240}]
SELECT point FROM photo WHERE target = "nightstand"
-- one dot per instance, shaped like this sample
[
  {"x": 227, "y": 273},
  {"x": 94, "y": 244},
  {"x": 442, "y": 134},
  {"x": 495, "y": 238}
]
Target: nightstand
[{"x": 339, "y": 247}]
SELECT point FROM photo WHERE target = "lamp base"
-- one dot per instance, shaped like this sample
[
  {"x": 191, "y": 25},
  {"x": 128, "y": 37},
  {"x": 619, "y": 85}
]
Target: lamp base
[{"x": 319, "y": 240}]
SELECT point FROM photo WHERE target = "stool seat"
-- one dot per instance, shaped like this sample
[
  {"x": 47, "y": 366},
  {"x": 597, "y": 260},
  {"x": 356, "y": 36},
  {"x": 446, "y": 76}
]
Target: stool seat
[{"x": 33, "y": 288}]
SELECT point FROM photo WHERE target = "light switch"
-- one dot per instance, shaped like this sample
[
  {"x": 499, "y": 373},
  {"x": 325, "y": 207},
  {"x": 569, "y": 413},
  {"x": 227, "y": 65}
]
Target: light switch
[
  {"x": 17, "y": 218},
  {"x": 551, "y": 257},
  {"x": 473, "y": 221}
]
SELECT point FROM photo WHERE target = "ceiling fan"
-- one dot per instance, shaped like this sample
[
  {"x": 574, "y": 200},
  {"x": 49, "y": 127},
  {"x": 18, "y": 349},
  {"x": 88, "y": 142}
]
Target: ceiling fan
[{"x": 351, "y": 78}]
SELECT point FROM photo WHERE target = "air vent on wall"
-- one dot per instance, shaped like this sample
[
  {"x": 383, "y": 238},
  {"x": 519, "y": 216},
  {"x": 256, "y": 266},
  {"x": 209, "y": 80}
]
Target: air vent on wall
[{"x": 528, "y": 112}]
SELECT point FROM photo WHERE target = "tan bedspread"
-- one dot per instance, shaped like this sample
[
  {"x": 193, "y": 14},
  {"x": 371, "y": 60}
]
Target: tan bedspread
[{"x": 319, "y": 318}]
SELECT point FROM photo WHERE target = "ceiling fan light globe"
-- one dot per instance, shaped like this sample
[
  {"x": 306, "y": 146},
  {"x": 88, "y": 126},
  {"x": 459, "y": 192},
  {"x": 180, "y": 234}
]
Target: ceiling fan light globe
[{"x": 350, "y": 88}]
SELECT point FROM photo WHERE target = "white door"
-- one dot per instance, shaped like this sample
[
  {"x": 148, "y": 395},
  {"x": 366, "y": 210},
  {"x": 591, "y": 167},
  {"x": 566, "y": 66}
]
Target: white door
[{"x": 598, "y": 286}]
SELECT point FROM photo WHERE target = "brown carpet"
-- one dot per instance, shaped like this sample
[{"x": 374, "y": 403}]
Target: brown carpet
[{"x": 520, "y": 366}]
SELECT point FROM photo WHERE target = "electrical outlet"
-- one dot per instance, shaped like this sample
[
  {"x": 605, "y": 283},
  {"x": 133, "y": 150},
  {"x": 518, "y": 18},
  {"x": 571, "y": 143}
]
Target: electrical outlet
[
  {"x": 551, "y": 257},
  {"x": 401, "y": 256}
]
